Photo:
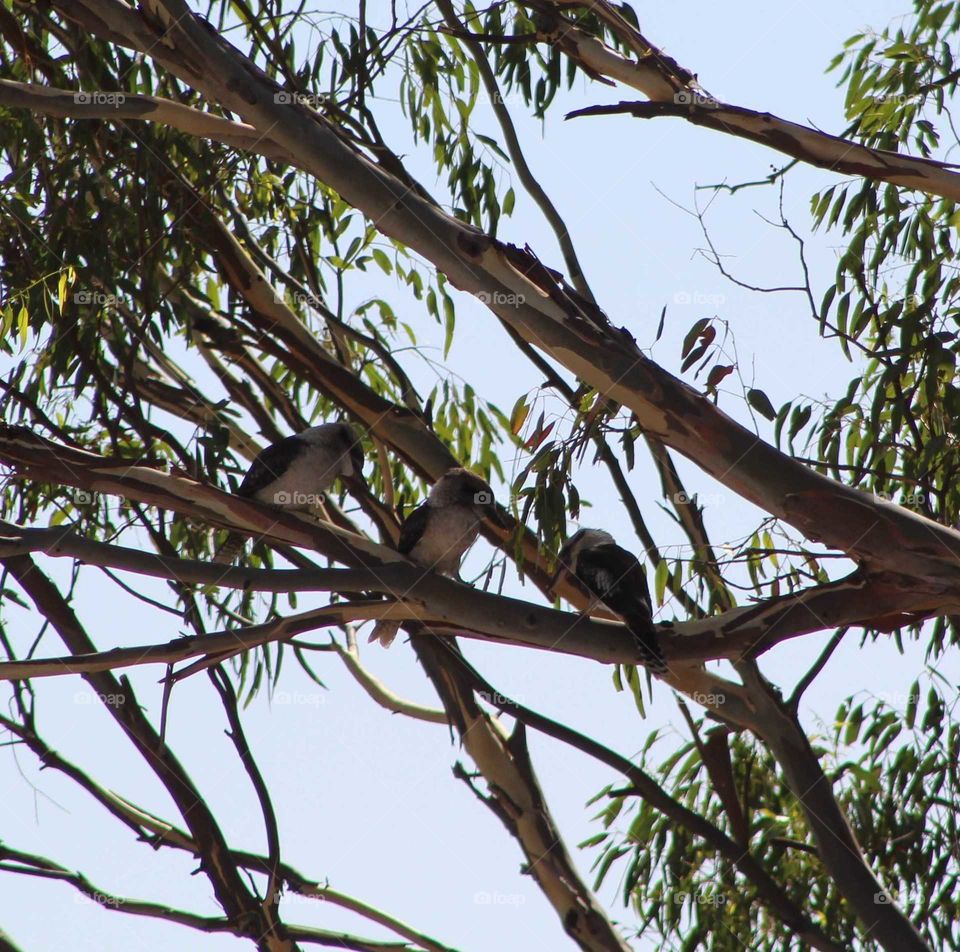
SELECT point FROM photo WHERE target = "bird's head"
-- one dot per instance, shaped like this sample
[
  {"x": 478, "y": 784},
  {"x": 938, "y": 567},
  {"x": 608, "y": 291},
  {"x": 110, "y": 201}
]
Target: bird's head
[
  {"x": 460, "y": 487},
  {"x": 343, "y": 439},
  {"x": 571, "y": 549}
]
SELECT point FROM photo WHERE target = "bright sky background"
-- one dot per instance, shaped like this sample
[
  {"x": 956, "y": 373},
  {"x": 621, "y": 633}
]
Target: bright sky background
[{"x": 365, "y": 799}]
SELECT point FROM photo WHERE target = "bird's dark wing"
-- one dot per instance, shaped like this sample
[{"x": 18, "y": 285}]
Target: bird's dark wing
[
  {"x": 412, "y": 529},
  {"x": 615, "y": 577},
  {"x": 269, "y": 464}
]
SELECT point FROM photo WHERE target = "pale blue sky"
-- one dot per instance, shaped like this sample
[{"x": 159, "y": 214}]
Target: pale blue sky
[{"x": 365, "y": 799}]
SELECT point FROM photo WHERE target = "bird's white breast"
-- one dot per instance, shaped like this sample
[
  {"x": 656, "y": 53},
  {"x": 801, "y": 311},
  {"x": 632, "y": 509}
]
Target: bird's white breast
[
  {"x": 450, "y": 531},
  {"x": 310, "y": 473}
]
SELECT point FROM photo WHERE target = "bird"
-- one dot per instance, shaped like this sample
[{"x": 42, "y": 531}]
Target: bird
[
  {"x": 295, "y": 472},
  {"x": 615, "y": 578},
  {"x": 437, "y": 534}
]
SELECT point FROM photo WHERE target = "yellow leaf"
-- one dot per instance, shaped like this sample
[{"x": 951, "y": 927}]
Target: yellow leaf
[{"x": 23, "y": 323}]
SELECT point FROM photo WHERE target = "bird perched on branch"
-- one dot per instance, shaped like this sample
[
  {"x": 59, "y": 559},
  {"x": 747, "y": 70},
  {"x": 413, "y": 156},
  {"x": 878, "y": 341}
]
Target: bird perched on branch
[
  {"x": 615, "y": 578},
  {"x": 296, "y": 471},
  {"x": 438, "y": 533}
]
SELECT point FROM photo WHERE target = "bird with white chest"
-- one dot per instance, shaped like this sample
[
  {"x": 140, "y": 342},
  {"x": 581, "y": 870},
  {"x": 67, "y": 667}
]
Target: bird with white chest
[
  {"x": 438, "y": 533},
  {"x": 617, "y": 582},
  {"x": 295, "y": 472}
]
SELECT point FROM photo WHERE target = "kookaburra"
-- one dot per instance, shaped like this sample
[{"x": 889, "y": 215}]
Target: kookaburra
[
  {"x": 296, "y": 471},
  {"x": 438, "y": 533},
  {"x": 615, "y": 578}
]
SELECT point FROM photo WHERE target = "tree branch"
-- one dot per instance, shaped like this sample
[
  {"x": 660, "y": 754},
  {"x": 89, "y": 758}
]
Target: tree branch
[
  {"x": 239, "y": 905},
  {"x": 656, "y": 796},
  {"x": 530, "y": 298},
  {"x": 28, "y": 864},
  {"x": 881, "y": 599},
  {"x": 837, "y": 847},
  {"x": 516, "y": 799}
]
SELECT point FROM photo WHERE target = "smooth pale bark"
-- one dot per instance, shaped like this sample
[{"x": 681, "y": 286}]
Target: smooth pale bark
[
  {"x": 836, "y": 844},
  {"x": 675, "y": 91},
  {"x": 538, "y": 305},
  {"x": 531, "y": 299}
]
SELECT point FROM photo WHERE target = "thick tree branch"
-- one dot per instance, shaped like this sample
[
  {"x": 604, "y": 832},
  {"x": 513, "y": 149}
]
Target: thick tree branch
[
  {"x": 778, "y": 727},
  {"x": 28, "y": 864},
  {"x": 882, "y": 599},
  {"x": 648, "y": 788},
  {"x": 675, "y": 91},
  {"x": 118, "y": 107},
  {"x": 515, "y": 797},
  {"x": 240, "y": 906},
  {"x": 534, "y": 301}
]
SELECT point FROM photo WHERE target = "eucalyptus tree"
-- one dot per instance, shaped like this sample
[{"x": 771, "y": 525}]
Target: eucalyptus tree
[{"x": 191, "y": 198}]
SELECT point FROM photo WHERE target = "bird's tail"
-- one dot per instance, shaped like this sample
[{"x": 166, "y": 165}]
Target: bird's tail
[
  {"x": 231, "y": 548},
  {"x": 385, "y": 632},
  {"x": 645, "y": 638}
]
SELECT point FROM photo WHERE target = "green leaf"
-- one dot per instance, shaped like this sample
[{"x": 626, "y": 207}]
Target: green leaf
[
  {"x": 382, "y": 260},
  {"x": 62, "y": 292},
  {"x": 854, "y": 720},
  {"x": 663, "y": 317},
  {"x": 450, "y": 321},
  {"x": 23, "y": 324},
  {"x": 911, "y": 714},
  {"x": 660, "y": 578},
  {"x": 518, "y": 416},
  {"x": 761, "y": 403},
  {"x": 692, "y": 335}
]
